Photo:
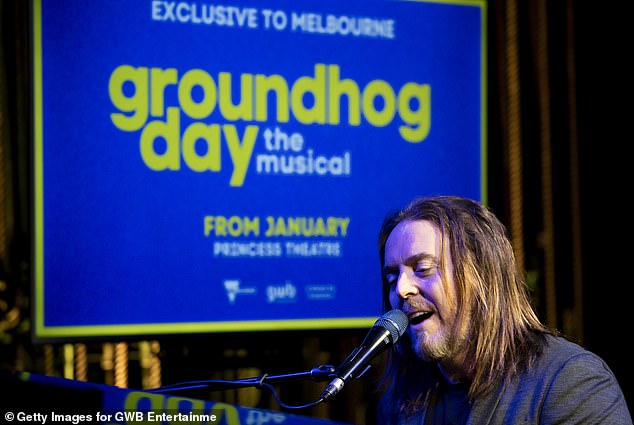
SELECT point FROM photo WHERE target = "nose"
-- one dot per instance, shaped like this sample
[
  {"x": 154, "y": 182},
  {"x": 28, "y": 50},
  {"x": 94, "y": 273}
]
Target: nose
[{"x": 406, "y": 285}]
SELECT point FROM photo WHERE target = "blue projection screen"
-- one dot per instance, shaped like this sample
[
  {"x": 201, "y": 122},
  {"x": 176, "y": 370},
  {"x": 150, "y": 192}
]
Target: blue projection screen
[{"x": 218, "y": 167}]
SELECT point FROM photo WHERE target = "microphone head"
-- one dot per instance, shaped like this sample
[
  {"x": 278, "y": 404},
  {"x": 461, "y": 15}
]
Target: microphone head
[{"x": 395, "y": 322}]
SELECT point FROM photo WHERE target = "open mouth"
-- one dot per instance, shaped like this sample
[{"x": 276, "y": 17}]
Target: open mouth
[{"x": 420, "y": 317}]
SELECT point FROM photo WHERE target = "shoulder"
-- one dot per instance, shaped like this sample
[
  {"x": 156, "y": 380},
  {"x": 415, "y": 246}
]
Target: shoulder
[
  {"x": 574, "y": 384},
  {"x": 567, "y": 384},
  {"x": 564, "y": 368},
  {"x": 562, "y": 350},
  {"x": 565, "y": 359}
]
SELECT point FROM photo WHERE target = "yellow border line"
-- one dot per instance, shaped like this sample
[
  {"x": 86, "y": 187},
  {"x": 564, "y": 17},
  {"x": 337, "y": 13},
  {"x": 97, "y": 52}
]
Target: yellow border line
[
  {"x": 184, "y": 328},
  {"x": 38, "y": 166},
  {"x": 484, "y": 135},
  {"x": 478, "y": 3}
]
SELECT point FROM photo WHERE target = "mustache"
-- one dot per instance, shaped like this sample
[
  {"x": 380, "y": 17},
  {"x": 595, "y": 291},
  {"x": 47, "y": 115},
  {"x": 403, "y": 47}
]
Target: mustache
[{"x": 418, "y": 305}]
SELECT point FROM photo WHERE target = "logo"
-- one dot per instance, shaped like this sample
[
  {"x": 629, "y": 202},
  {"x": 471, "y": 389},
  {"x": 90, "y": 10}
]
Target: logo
[
  {"x": 233, "y": 289},
  {"x": 321, "y": 292},
  {"x": 281, "y": 293}
]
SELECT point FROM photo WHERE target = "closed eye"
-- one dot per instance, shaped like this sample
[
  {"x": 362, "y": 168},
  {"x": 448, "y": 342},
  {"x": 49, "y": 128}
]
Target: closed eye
[{"x": 425, "y": 270}]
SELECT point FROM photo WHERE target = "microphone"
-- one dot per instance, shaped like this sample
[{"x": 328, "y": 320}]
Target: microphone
[{"x": 384, "y": 333}]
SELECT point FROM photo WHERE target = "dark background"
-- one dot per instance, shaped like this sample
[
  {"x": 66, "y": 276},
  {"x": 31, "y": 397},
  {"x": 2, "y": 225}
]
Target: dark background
[{"x": 560, "y": 106}]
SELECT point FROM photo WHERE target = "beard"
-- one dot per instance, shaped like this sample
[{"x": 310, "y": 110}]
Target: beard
[
  {"x": 448, "y": 341},
  {"x": 432, "y": 347}
]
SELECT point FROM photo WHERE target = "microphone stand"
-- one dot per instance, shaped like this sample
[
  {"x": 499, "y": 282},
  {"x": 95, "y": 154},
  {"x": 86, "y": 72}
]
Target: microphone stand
[{"x": 318, "y": 374}]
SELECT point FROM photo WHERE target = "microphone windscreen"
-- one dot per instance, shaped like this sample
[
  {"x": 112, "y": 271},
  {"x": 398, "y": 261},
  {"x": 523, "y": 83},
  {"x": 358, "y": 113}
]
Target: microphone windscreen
[{"x": 395, "y": 321}]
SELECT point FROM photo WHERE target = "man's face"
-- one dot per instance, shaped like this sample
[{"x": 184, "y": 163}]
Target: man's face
[{"x": 412, "y": 269}]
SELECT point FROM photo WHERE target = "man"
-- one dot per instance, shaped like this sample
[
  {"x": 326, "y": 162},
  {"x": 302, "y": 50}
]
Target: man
[{"x": 475, "y": 352}]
